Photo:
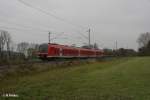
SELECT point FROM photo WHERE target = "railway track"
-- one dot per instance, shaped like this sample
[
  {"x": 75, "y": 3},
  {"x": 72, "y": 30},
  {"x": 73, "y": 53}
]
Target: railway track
[
  {"x": 53, "y": 62},
  {"x": 3, "y": 67}
]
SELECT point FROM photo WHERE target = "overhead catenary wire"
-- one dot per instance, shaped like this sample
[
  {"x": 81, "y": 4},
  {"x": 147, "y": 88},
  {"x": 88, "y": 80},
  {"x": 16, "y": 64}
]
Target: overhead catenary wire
[
  {"x": 6, "y": 21},
  {"x": 53, "y": 15},
  {"x": 50, "y": 14},
  {"x": 24, "y": 27},
  {"x": 20, "y": 29},
  {"x": 29, "y": 28}
]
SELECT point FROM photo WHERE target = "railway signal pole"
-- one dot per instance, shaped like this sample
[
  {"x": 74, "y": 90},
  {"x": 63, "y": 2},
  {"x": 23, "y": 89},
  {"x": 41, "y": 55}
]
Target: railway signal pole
[
  {"x": 89, "y": 31},
  {"x": 49, "y": 37},
  {"x": 116, "y": 45}
]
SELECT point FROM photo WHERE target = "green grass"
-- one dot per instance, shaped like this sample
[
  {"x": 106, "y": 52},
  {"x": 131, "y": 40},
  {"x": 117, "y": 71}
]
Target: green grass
[{"x": 118, "y": 79}]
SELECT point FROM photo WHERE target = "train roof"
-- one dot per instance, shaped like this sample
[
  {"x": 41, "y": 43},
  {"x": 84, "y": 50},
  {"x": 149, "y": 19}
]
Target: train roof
[{"x": 71, "y": 47}]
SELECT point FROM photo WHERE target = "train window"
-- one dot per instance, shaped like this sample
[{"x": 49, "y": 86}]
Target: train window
[{"x": 43, "y": 48}]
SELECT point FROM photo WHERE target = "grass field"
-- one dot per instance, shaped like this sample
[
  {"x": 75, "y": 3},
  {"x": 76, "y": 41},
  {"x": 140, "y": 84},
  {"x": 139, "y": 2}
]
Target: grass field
[{"x": 117, "y": 79}]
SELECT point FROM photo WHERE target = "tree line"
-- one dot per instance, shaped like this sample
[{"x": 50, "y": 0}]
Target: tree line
[
  {"x": 9, "y": 51},
  {"x": 143, "y": 49},
  {"x": 144, "y": 44},
  {"x": 5, "y": 44}
]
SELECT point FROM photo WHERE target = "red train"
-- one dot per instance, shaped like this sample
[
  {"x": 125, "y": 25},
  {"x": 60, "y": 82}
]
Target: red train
[{"x": 47, "y": 51}]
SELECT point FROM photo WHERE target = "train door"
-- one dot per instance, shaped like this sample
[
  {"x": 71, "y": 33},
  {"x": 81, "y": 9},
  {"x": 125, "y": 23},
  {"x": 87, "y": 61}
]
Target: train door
[{"x": 60, "y": 52}]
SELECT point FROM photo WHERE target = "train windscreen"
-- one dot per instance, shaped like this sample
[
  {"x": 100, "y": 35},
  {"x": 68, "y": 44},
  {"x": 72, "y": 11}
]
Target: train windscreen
[{"x": 43, "y": 48}]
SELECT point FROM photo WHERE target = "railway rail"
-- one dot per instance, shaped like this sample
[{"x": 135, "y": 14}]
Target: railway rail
[{"x": 52, "y": 62}]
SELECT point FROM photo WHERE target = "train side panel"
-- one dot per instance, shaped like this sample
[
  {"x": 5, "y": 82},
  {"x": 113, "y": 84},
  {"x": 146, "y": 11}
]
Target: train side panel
[
  {"x": 61, "y": 51},
  {"x": 70, "y": 52},
  {"x": 53, "y": 51}
]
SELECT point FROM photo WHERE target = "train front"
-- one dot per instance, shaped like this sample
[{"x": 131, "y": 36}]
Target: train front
[{"x": 43, "y": 51}]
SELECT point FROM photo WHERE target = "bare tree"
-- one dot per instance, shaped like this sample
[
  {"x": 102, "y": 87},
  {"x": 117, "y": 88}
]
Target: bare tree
[
  {"x": 8, "y": 43},
  {"x": 5, "y": 41},
  {"x": 143, "y": 39},
  {"x": 33, "y": 48},
  {"x": 2, "y": 40},
  {"x": 95, "y": 46},
  {"x": 23, "y": 47}
]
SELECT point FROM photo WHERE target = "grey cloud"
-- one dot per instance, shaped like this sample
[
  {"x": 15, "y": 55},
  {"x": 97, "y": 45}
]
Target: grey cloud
[{"x": 110, "y": 20}]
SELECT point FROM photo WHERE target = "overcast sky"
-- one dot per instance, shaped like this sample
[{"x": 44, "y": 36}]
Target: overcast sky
[{"x": 109, "y": 20}]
